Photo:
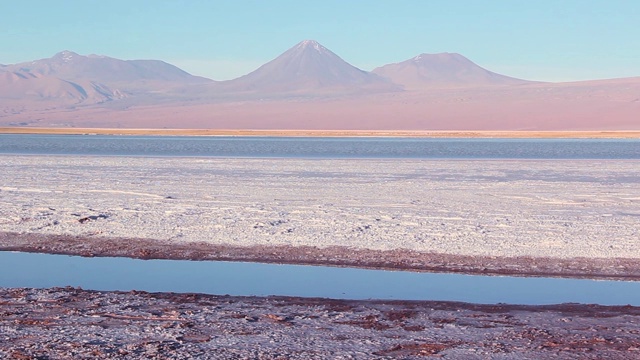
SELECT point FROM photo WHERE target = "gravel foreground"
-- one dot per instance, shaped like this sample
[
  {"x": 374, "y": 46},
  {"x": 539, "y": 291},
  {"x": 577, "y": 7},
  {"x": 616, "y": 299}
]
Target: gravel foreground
[{"x": 69, "y": 323}]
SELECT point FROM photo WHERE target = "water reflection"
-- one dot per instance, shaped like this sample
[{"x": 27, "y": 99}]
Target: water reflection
[{"x": 236, "y": 278}]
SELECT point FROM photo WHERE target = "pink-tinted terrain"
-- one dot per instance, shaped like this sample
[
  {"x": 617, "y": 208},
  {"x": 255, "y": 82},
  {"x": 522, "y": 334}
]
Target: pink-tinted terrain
[{"x": 307, "y": 87}]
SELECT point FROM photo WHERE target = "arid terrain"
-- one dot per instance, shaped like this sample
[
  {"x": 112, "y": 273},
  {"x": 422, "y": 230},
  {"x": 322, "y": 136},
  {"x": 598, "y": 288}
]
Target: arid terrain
[{"x": 605, "y": 105}]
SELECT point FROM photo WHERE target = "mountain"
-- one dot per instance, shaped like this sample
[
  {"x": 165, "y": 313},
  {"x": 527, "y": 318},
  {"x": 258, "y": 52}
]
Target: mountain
[
  {"x": 70, "y": 66},
  {"x": 72, "y": 78},
  {"x": 309, "y": 67},
  {"x": 442, "y": 70},
  {"x": 24, "y": 86},
  {"x": 307, "y": 87}
]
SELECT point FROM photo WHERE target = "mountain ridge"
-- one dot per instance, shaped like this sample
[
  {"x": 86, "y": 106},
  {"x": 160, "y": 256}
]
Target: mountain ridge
[
  {"x": 70, "y": 66},
  {"x": 444, "y": 70}
]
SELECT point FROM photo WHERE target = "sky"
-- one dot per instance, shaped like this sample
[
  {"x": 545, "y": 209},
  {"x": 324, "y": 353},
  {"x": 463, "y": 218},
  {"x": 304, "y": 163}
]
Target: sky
[{"x": 546, "y": 40}]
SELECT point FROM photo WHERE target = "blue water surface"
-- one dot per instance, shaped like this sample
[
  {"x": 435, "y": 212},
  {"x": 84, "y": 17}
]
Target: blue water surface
[
  {"x": 318, "y": 147},
  {"x": 255, "y": 279}
]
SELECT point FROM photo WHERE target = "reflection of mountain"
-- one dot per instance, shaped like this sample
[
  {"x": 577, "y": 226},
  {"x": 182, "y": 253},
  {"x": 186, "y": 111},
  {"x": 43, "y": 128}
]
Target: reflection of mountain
[
  {"x": 309, "y": 67},
  {"x": 442, "y": 70}
]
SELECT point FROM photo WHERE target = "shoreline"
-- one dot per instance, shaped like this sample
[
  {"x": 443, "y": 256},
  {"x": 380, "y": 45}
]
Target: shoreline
[
  {"x": 469, "y": 134},
  {"x": 556, "y": 209},
  {"x": 626, "y": 269}
]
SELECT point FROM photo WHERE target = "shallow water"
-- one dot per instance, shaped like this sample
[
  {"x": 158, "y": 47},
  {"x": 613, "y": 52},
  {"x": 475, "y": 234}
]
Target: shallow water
[
  {"x": 249, "y": 279},
  {"x": 316, "y": 147}
]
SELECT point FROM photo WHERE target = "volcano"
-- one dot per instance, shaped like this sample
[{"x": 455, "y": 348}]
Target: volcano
[
  {"x": 442, "y": 70},
  {"x": 309, "y": 67}
]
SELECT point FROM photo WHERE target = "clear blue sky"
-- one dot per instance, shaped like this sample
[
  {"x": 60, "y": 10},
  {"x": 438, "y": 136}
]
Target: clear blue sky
[{"x": 552, "y": 40}]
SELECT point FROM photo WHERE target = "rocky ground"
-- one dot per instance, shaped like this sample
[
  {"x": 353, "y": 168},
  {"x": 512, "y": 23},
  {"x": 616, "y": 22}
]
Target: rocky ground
[{"x": 65, "y": 323}]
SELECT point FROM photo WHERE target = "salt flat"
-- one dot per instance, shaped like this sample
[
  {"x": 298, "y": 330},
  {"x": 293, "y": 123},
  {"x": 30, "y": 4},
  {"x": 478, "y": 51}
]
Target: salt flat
[{"x": 504, "y": 208}]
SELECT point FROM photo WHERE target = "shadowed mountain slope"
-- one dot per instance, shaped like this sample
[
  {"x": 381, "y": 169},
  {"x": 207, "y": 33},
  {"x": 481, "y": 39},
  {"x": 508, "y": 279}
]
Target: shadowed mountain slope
[
  {"x": 25, "y": 86},
  {"x": 70, "y": 77},
  {"x": 70, "y": 66}
]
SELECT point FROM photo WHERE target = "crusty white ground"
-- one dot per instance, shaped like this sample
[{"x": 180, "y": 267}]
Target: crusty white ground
[{"x": 557, "y": 208}]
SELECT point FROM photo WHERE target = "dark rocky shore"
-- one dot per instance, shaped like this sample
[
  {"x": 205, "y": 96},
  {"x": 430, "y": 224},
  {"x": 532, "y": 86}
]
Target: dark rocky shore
[
  {"x": 397, "y": 259},
  {"x": 65, "y": 323}
]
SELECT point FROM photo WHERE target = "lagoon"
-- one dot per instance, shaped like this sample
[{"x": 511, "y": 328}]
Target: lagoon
[{"x": 19, "y": 269}]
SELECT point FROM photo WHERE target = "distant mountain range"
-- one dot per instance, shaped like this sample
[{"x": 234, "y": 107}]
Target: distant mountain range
[
  {"x": 306, "y": 68},
  {"x": 427, "y": 91}
]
